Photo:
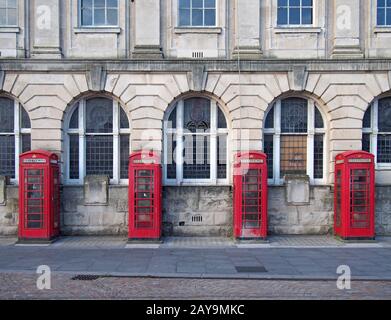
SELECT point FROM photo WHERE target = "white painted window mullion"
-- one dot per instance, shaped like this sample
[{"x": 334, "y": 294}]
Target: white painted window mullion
[
  {"x": 276, "y": 142},
  {"x": 213, "y": 142},
  {"x": 179, "y": 144},
  {"x": 82, "y": 140},
  {"x": 310, "y": 140},
  {"x": 116, "y": 144},
  {"x": 17, "y": 137}
]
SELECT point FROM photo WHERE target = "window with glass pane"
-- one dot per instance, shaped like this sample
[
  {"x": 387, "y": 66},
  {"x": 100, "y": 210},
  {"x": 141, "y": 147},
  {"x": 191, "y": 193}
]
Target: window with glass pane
[
  {"x": 95, "y": 127},
  {"x": 376, "y": 137},
  {"x": 293, "y": 132},
  {"x": 96, "y": 13},
  {"x": 294, "y": 12},
  {"x": 11, "y": 134},
  {"x": 8, "y": 13},
  {"x": 202, "y": 137},
  {"x": 197, "y": 13},
  {"x": 384, "y": 13}
]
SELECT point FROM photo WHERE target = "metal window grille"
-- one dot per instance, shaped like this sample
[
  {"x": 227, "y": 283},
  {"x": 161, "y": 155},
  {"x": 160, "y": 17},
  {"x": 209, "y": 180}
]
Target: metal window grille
[
  {"x": 123, "y": 121},
  {"x": 26, "y": 142},
  {"x": 366, "y": 142},
  {"x": 197, "y": 157},
  {"x": 8, "y": 13},
  {"x": 384, "y": 118},
  {"x": 293, "y": 158},
  {"x": 99, "y": 155},
  {"x": 197, "y": 13},
  {"x": 99, "y": 12},
  {"x": 197, "y": 114},
  {"x": 74, "y": 121},
  {"x": 384, "y": 148},
  {"x": 269, "y": 122},
  {"x": 319, "y": 124},
  {"x": 221, "y": 121},
  {"x": 383, "y": 12},
  {"x": 74, "y": 156},
  {"x": 99, "y": 115},
  {"x": 268, "y": 149},
  {"x": 367, "y": 118},
  {"x": 25, "y": 119},
  {"x": 7, "y": 155},
  {"x": 7, "y": 115},
  {"x": 171, "y": 156},
  {"x": 294, "y": 115},
  {"x": 172, "y": 119},
  {"x": 294, "y": 12},
  {"x": 318, "y": 156},
  {"x": 222, "y": 157},
  {"x": 124, "y": 155}
]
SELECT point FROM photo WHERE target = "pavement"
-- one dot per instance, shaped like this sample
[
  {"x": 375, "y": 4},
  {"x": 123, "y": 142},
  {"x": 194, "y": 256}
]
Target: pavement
[{"x": 282, "y": 258}]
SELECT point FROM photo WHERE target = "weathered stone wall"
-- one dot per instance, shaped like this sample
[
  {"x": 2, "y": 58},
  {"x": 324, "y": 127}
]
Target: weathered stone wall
[
  {"x": 197, "y": 211},
  {"x": 180, "y": 204}
]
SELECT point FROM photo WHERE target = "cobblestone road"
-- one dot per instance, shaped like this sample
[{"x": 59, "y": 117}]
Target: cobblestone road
[{"x": 23, "y": 286}]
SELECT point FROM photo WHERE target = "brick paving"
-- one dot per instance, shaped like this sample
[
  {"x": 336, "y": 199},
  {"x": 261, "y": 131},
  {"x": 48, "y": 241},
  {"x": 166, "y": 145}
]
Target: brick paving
[{"x": 23, "y": 286}]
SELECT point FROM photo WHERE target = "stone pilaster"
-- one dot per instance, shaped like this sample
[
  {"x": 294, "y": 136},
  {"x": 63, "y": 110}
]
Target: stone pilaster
[
  {"x": 46, "y": 29},
  {"x": 247, "y": 29},
  {"x": 347, "y": 17},
  {"x": 147, "y": 30}
]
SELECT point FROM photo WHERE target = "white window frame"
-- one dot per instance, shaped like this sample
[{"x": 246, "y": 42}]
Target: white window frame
[
  {"x": 311, "y": 132},
  {"x": 314, "y": 23},
  {"x": 81, "y": 131},
  {"x": 93, "y": 26},
  {"x": 374, "y": 132},
  {"x": 18, "y": 132},
  {"x": 203, "y": 22},
  {"x": 7, "y": 17},
  {"x": 179, "y": 133}
]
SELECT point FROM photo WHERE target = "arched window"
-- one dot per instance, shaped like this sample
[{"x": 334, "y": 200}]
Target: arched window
[
  {"x": 294, "y": 140},
  {"x": 198, "y": 127},
  {"x": 15, "y": 136},
  {"x": 97, "y": 140},
  {"x": 377, "y": 131}
]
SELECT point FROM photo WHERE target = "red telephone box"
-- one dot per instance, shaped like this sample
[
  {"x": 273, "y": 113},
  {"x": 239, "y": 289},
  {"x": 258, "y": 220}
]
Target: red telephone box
[
  {"x": 250, "y": 195},
  {"x": 354, "y": 195},
  {"x": 145, "y": 197},
  {"x": 39, "y": 196}
]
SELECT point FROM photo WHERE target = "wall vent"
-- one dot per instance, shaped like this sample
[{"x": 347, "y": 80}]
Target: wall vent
[
  {"x": 197, "y": 54},
  {"x": 196, "y": 218}
]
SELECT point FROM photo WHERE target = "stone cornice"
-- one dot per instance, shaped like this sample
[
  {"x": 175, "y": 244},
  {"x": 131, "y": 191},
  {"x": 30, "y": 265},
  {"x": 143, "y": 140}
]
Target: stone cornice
[{"x": 174, "y": 65}]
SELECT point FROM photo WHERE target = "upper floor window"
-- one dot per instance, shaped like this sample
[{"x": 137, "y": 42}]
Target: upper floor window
[
  {"x": 377, "y": 131},
  {"x": 197, "y": 13},
  {"x": 15, "y": 136},
  {"x": 8, "y": 13},
  {"x": 97, "y": 140},
  {"x": 98, "y": 13},
  {"x": 195, "y": 146},
  {"x": 384, "y": 12},
  {"x": 294, "y": 139},
  {"x": 294, "y": 12}
]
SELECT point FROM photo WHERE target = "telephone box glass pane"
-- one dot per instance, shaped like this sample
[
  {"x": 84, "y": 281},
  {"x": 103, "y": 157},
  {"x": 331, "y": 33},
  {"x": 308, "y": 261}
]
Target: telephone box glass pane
[
  {"x": 293, "y": 154},
  {"x": 144, "y": 201},
  {"x": 359, "y": 198},
  {"x": 339, "y": 196},
  {"x": 251, "y": 199},
  {"x": 34, "y": 198}
]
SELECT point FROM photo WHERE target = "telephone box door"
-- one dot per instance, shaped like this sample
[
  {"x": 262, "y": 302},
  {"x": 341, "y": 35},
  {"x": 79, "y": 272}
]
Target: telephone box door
[
  {"x": 250, "y": 185},
  {"x": 144, "y": 197}
]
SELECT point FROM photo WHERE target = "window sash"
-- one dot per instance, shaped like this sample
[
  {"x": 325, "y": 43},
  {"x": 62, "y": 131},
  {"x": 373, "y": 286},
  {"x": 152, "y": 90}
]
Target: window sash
[
  {"x": 82, "y": 134},
  {"x": 191, "y": 10},
  {"x": 310, "y": 134},
  {"x": 288, "y": 7},
  {"x": 179, "y": 134},
  {"x": 93, "y": 10}
]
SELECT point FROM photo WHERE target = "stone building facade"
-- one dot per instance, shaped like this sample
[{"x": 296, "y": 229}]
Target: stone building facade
[{"x": 95, "y": 80}]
